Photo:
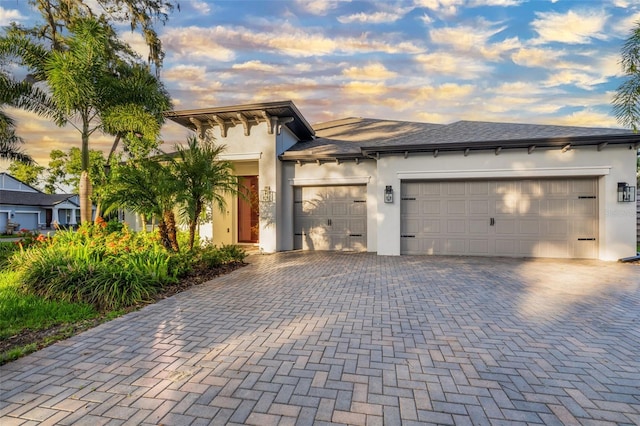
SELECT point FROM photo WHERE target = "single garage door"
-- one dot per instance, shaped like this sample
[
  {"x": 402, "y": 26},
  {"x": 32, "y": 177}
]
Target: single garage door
[
  {"x": 330, "y": 218},
  {"x": 26, "y": 220},
  {"x": 521, "y": 218}
]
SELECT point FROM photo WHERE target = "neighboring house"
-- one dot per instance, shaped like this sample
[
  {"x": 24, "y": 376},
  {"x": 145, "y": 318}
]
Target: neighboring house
[
  {"x": 32, "y": 209},
  {"x": 394, "y": 187}
]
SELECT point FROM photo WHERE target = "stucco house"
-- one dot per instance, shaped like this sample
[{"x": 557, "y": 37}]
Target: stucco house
[
  {"x": 396, "y": 187},
  {"x": 32, "y": 209}
]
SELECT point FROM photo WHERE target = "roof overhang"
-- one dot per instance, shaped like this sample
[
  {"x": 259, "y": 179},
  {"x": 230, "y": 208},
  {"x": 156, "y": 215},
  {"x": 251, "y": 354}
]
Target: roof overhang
[
  {"x": 273, "y": 113},
  {"x": 601, "y": 141},
  {"x": 374, "y": 152}
]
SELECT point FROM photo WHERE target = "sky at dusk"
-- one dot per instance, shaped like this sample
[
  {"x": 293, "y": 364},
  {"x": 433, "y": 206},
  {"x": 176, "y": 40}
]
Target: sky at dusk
[{"x": 438, "y": 61}]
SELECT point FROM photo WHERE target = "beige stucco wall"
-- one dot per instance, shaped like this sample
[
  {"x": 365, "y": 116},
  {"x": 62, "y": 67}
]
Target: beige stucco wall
[
  {"x": 612, "y": 165},
  {"x": 254, "y": 154}
]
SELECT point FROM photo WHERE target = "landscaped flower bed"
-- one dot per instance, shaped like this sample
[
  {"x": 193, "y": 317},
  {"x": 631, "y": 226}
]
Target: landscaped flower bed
[{"x": 99, "y": 272}]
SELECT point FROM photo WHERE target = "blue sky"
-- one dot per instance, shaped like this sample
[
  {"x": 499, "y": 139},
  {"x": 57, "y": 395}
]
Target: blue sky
[{"x": 552, "y": 62}]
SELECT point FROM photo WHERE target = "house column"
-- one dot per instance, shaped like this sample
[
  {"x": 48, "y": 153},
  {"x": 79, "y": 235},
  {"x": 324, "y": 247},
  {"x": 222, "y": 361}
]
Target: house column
[
  {"x": 55, "y": 217},
  {"x": 73, "y": 217}
]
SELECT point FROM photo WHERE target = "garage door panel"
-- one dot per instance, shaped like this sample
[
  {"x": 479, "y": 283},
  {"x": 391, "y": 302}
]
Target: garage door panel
[
  {"x": 456, "y": 188},
  {"x": 478, "y": 226},
  {"x": 556, "y": 228},
  {"x": 583, "y": 207},
  {"x": 456, "y": 226},
  {"x": 504, "y": 226},
  {"x": 529, "y": 187},
  {"x": 457, "y": 207},
  {"x": 357, "y": 208},
  {"x": 584, "y": 187},
  {"x": 479, "y": 247},
  {"x": 430, "y": 227},
  {"x": 479, "y": 188},
  {"x": 530, "y": 227},
  {"x": 431, "y": 207},
  {"x": 505, "y": 247},
  {"x": 530, "y": 217},
  {"x": 455, "y": 246},
  {"x": 339, "y": 208},
  {"x": 478, "y": 207},
  {"x": 529, "y": 207},
  {"x": 357, "y": 226}
]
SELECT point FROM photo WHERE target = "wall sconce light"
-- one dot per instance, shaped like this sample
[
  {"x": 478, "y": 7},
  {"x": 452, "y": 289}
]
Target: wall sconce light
[
  {"x": 626, "y": 193},
  {"x": 388, "y": 194},
  {"x": 267, "y": 195}
]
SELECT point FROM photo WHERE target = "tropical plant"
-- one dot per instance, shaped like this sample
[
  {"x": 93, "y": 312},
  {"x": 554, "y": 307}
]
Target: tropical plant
[
  {"x": 626, "y": 102},
  {"x": 205, "y": 178},
  {"x": 139, "y": 14},
  {"x": 86, "y": 88},
  {"x": 149, "y": 188}
]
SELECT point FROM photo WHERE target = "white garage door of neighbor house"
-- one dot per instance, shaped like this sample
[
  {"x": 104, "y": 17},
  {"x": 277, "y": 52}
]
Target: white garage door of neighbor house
[
  {"x": 518, "y": 218},
  {"x": 330, "y": 218},
  {"x": 26, "y": 220}
]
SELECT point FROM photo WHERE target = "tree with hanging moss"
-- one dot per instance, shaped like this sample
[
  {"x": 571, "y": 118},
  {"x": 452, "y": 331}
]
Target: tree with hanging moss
[{"x": 93, "y": 88}]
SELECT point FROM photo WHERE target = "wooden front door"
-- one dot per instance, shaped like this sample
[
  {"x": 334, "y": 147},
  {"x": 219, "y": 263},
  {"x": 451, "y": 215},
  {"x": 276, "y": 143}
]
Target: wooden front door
[{"x": 248, "y": 210}]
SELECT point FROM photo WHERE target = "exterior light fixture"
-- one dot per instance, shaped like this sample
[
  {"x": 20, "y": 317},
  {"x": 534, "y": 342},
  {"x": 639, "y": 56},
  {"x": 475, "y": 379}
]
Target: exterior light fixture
[
  {"x": 388, "y": 194},
  {"x": 626, "y": 193},
  {"x": 267, "y": 195}
]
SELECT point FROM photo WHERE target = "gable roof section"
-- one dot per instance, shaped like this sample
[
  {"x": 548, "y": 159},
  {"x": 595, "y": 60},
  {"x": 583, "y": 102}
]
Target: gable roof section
[
  {"x": 6, "y": 180},
  {"x": 37, "y": 199},
  {"x": 362, "y": 138},
  {"x": 229, "y": 116}
]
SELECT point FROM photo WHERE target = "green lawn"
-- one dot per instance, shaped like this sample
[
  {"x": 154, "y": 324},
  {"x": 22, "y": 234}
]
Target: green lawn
[{"x": 20, "y": 312}]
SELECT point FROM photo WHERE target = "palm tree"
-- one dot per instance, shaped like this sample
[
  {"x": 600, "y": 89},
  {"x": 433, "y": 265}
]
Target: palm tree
[
  {"x": 204, "y": 177},
  {"x": 86, "y": 88},
  {"x": 9, "y": 142},
  {"x": 626, "y": 102},
  {"x": 12, "y": 93},
  {"x": 149, "y": 188}
]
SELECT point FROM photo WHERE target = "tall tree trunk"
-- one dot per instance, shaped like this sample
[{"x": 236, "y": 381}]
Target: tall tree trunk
[
  {"x": 193, "y": 223},
  {"x": 164, "y": 235},
  {"x": 172, "y": 233},
  {"x": 85, "y": 183},
  {"x": 85, "y": 197}
]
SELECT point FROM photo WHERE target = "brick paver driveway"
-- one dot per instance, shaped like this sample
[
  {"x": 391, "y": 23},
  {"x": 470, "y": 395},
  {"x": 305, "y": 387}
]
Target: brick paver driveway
[{"x": 358, "y": 339}]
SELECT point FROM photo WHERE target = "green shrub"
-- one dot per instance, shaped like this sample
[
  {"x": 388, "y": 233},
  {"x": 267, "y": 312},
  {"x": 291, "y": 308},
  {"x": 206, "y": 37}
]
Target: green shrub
[
  {"x": 109, "y": 270},
  {"x": 233, "y": 253},
  {"x": 6, "y": 251}
]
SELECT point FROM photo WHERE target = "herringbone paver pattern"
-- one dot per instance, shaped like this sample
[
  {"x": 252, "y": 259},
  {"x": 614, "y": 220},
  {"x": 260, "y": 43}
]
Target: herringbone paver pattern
[{"x": 332, "y": 338}]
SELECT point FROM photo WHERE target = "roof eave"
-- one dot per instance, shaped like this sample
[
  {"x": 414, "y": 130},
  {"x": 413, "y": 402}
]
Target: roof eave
[
  {"x": 633, "y": 139},
  {"x": 304, "y": 131}
]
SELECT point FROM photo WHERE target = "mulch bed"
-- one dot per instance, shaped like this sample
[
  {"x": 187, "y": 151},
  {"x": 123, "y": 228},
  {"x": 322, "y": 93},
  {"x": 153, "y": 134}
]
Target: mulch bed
[{"x": 43, "y": 338}]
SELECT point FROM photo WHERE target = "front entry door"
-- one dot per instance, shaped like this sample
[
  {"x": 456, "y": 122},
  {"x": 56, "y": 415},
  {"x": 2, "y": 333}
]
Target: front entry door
[{"x": 248, "y": 210}]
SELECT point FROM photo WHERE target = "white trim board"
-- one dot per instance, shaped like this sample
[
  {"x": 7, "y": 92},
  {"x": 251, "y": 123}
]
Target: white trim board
[
  {"x": 347, "y": 180},
  {"x": 506, "y": 173}
]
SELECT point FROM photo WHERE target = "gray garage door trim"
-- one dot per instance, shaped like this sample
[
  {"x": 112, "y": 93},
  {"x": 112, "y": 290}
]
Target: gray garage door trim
[
  {"x": 330, "y": 217},
  {"x": 517, "y": 217}
]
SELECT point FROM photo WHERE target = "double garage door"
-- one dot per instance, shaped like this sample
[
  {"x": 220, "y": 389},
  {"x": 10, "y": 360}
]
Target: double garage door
[
  {"x": 522, "y": 218},
  {"x": 330, "y": 218}
]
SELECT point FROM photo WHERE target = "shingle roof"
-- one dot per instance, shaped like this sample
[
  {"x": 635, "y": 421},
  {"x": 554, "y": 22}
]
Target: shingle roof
[
  {"x": 355, "y": 137},
  {"x": 19, "y": 198},
  {"x": 482, "y": 131},
  {"x": 347, "y": 136}
]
